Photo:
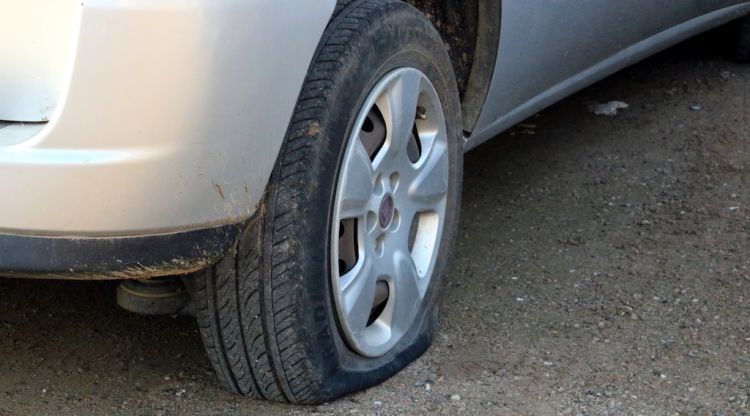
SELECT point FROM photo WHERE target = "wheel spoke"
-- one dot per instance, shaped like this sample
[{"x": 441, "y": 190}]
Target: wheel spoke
[
  {"x": 406, "y": 294},
  {"x": 399, "y": 108},
  {"x": 359, "y": 293},
  {"x": 430, "y": 186},
  {"x": 356, "y": 183}
]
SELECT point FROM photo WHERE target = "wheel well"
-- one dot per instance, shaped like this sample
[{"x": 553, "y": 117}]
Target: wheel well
[{"x": 471, "y": 31}]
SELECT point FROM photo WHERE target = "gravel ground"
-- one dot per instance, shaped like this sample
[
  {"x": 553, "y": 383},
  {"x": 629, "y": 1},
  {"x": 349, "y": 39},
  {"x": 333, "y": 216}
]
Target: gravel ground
[{"x": 601, "y": 269}]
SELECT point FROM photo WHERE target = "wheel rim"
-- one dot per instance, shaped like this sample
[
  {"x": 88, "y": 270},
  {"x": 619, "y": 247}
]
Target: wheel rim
[{"x": 389, "y": 211}]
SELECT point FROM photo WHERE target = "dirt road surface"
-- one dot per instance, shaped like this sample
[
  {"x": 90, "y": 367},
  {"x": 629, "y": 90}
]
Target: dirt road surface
[{"x": 602, "y": 268}]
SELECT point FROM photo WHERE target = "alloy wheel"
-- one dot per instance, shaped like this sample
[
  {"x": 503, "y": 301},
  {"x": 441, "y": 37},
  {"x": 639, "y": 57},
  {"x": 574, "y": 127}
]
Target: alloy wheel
[{"x": 389, "y": 211}]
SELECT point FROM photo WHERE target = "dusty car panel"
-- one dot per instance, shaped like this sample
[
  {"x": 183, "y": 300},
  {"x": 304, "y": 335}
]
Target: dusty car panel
[
  {"x": 549, "y": 50},
  {"x": 37, "y": 41},
  {"x": 166, "y": 121}
]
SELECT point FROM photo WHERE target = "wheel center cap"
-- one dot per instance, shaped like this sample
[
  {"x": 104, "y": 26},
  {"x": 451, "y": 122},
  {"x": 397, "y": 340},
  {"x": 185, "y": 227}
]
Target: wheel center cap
[{"x": 385, "y": 216}]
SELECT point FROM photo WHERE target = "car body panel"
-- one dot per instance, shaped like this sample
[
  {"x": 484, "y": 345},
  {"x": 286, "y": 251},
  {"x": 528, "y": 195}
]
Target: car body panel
[
  {"x": 172, "y": 117},
  {"x": 550, "y": 49},
  {"x": 166, "y": 117},
  {"x": 37, "y": 40}
]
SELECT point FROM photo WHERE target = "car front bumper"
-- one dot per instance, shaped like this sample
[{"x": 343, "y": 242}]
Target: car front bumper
[{"x": 167, "y": 121}]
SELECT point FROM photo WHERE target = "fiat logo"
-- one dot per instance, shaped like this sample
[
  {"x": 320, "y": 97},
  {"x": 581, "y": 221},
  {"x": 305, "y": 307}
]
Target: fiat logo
[{"x": 386, "y": 211}]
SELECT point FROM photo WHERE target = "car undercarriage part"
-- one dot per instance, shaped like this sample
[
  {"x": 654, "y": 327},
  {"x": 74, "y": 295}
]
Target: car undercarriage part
[{"x": 163, "y": 296}]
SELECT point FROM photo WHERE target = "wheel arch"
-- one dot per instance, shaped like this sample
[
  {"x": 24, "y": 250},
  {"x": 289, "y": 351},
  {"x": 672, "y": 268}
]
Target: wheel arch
[{"x": 471, "y": 31}]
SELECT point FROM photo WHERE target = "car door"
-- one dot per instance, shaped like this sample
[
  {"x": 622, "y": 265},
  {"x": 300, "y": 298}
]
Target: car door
[{"x": 550, "y": 48}]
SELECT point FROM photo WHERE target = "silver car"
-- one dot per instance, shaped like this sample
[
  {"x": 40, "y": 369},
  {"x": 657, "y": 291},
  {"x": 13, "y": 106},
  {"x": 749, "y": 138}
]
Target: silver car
[{"x": 287, "y": 171}]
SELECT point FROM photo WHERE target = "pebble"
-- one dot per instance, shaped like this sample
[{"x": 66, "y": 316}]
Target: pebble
[
  {"x": 696, "y": 107},
  {"x": 608, "y": 109},
  {"x": 455, "y": 398},
  {"x": 377, "y": 403}
]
